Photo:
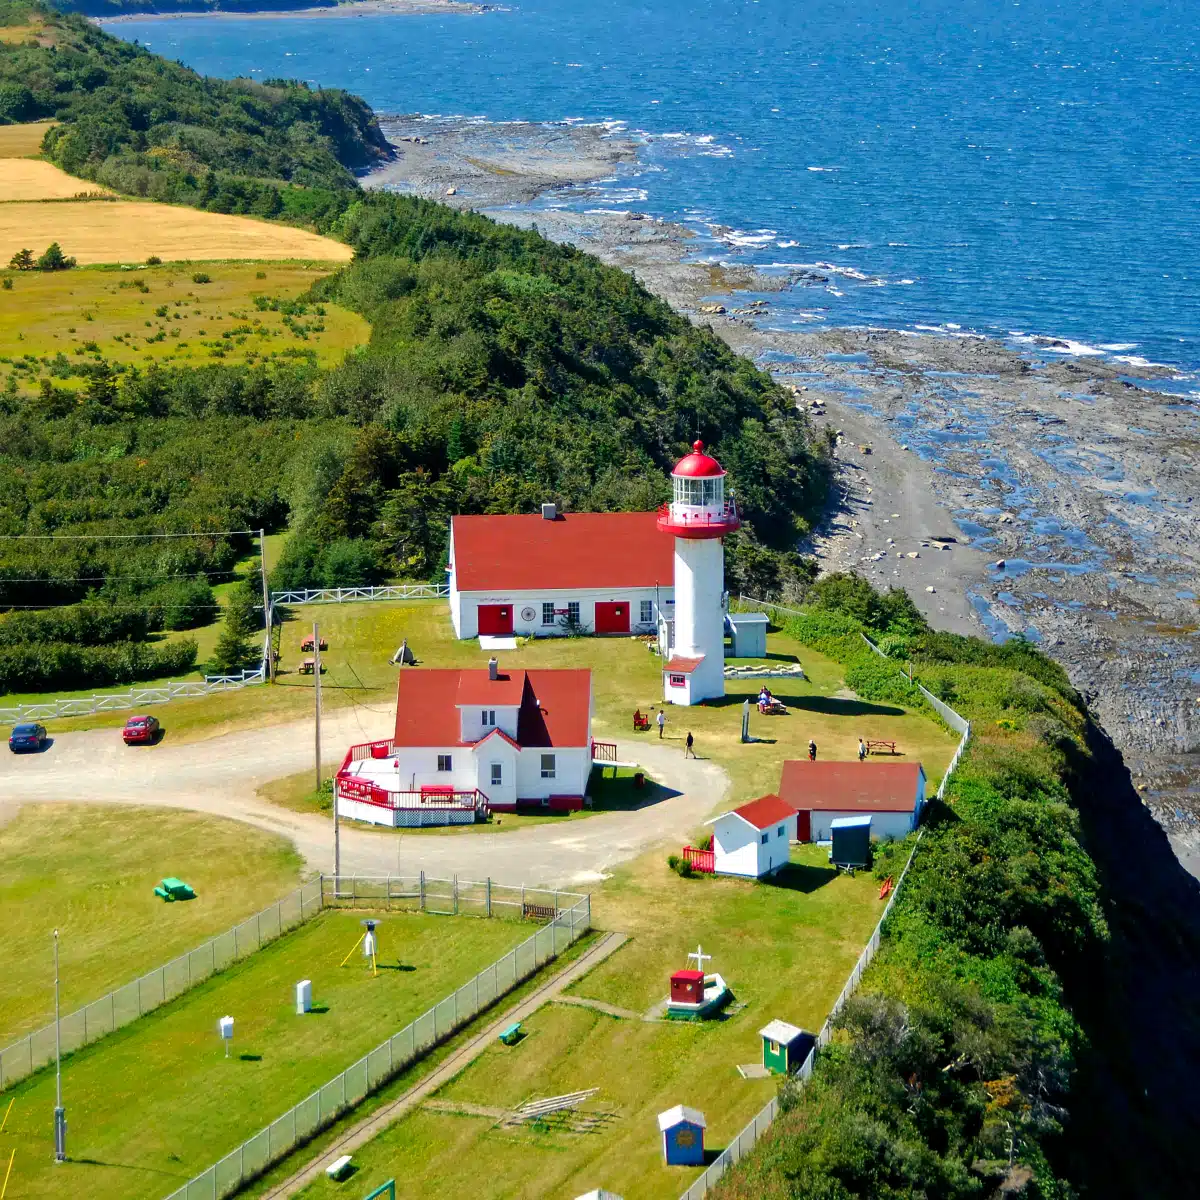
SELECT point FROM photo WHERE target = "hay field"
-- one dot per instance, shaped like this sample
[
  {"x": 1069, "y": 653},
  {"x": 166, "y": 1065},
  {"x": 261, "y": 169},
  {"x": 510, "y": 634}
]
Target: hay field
[
  {"x": 20, "y": 141},
  {"x": 158, "y": 314},
  {"x": 32, "y": 179},
  {"x": 130, "y": 231}
]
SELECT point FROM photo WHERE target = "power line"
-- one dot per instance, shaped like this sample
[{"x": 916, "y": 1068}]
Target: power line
[{"x": 106, "y": 537}]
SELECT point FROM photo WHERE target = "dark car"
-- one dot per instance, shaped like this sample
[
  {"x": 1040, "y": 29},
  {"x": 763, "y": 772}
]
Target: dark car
[
  {"x": 27, "y": 737},
  {"x": 140, "y": 730}
]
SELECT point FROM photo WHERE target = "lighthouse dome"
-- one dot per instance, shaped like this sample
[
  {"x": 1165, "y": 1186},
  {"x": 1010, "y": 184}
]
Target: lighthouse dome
[{"x": 697, "y": 465}]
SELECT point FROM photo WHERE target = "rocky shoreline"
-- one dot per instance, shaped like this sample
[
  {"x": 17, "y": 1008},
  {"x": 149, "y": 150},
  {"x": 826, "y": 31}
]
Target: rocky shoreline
[
  {"x": 346, "y": 8},
  {"x": 1028, "y": 489}
]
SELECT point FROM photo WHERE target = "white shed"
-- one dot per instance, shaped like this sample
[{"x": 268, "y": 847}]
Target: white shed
[
  {"x": 749, "y": 631},
  {"x": 754, "y": 840}
]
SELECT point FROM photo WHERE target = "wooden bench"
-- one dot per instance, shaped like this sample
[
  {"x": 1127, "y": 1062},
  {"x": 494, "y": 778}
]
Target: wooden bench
[
  {"x": 876, "y": 746},
  {"x": 339, "y": 1168},
  {"x": 512, "y": 1034},
  {"x": 538, "y": 912}
]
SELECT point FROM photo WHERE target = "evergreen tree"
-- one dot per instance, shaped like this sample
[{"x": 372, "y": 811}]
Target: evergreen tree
[
  {"x": 54, "y": 259},
  {"x": 21, "y": 261}
]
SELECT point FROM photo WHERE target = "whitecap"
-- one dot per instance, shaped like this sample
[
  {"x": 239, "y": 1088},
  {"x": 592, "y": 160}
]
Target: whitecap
[
  {"x": 786, "y": 245},
  {"x": 823, "y": 169},
  {"x": 1118, "y": 346},
  {"x": 907, "y": 281},
  {"x": 1135, "y": 360}
]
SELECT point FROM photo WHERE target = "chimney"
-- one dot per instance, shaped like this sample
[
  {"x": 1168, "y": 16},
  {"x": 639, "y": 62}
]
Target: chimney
[
  {"x": 549, "y": 512},
  {"x": 493, "y": 669}
]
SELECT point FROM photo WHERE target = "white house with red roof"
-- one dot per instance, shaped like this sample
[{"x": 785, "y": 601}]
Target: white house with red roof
[
  {"x": 471, "y": 741},
  {"x": 608, "y": 573},
  {"x": 534, "y": 574},
  {"x": 755, "y": 839},
  {"x": 891, "y": 793}
]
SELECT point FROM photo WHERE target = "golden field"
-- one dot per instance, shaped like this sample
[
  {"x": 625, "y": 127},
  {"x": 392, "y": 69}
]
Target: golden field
[
  {"x": 131, "y": 230},
  {"x": 32, "y": 179},
  {"x": 20, "y": 141}
]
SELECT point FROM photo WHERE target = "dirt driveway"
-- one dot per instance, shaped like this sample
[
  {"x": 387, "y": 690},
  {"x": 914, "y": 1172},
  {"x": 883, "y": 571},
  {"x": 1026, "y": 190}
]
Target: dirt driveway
[{"x": 223, "y": 774}]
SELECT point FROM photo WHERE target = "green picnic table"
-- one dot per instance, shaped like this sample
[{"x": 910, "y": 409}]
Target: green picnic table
[{"x": 174, "y": 889}]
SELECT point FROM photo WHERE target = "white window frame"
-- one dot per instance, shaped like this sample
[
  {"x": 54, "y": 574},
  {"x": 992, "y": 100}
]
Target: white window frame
[
  {"x": 445, "y": 762},
  {"x": 549, "y": 766},
  {"x": 497, "y": 774},
  {"x": 488, "y": 717},
  {"x": 678, "y": 680},
  {"x": 647, "y": 613},
  {"x": 573, "y": 613},
  {"x": 547, "y": 612}
]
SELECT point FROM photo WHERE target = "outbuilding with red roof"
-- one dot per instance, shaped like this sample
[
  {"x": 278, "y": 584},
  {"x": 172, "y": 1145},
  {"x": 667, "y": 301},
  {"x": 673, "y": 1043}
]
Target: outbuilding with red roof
[
  {"x": 891, "y": 793},
  {"x": 474, "y": 740},
  {"x": 536, "y": 575},
  {"x": 755, "y": 839}
]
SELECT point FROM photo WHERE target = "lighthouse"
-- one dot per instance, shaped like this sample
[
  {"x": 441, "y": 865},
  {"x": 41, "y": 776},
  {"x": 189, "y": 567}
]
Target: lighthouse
[{"x": 693, "y": 643}]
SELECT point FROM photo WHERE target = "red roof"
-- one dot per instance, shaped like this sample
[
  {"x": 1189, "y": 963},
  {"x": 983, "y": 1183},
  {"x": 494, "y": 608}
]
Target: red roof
[
  {"x": 850, "y": 786},
  {"x": 698, "y": 464},
  {"x": 766, "y": 811},
  {"x": 683, "y": 666},
  {"x": 689, "y": 976},
  {"x": 580, "y": 550},
  {"x": 554, "y": 706}
]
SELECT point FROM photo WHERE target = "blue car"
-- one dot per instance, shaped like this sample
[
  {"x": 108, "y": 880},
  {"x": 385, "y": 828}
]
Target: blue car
[{"x": 27, "y": 737}]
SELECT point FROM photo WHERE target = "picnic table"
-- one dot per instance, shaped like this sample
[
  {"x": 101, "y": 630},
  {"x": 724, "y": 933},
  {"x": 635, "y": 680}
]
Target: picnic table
[
  {"x": 307, "y": 643},
  {"x": 512, "y": 1034},
  {"x": 878, "y": 745},
  {"x": 309, "y": 665},
  {"x": 772, "y": 707},
  {"x": 174, "y": 889}
]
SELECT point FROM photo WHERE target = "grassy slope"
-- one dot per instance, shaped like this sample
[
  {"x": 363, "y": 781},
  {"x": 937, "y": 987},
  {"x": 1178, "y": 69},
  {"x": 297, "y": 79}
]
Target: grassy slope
[
  {"x": 90, "y": 873},
  {"x": 48, "y": 314},
  {"x": 158, "y": 1101}
]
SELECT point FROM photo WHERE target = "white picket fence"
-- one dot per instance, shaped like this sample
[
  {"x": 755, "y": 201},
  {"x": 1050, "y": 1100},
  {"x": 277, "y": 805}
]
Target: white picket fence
[
  {"x": 745, "y": 1141},
  {"x": 395, "y": 591},
  {"x": 159, "y": 693}
]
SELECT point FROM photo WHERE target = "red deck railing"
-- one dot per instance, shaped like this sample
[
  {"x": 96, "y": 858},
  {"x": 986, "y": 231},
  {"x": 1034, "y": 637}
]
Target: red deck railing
[
  {"x": 702, "y": 525},
  {"x": 701, "y": 860},
  {"x": 604, "y": 751},
  {"x": 352, "y": 787}
]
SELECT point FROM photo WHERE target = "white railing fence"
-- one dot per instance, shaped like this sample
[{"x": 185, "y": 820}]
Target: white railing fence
[
  {"x": 746, "y": 1139},
  {"x": 389, "y": 1058},
  {"x": 159, "y": 693},
  {"x": 127, "y": 1003},
  {"x": 395, "y": 591}
]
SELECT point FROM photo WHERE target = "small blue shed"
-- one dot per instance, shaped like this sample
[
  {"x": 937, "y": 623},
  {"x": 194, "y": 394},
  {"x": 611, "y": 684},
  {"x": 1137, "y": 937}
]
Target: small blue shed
[{"x": 682, "y": 1130}]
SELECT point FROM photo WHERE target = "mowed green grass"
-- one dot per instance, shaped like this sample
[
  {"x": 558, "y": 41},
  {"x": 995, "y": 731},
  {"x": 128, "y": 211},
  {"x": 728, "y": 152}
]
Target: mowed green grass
[
  {"x": 785, "y": 949},
  {"x": 158, "y": 1102},
  {"x": 89, "y": 872},
  {"x": 96, "y": 312}
]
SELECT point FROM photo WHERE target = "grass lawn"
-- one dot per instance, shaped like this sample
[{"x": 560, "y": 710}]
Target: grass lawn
[
  {"x": 131, "y": 230},
  {"x": 785, "y": 950},
  {"x": 158, "y": 1101},
  {"x": 91, "y": 313},
  {"x": 90, "y": 872}
]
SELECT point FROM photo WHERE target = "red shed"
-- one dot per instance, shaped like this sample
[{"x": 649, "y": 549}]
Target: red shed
[{"x": 687, "y": 987}]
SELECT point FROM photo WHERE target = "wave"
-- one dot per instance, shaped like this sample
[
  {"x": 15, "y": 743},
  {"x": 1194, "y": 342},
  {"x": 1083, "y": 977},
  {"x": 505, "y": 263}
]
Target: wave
[{"x": 822, "y": 169}]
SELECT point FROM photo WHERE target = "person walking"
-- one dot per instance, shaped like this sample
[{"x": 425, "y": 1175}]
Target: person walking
[
  {"x": 862, "y": 750},
  {"x": 687, "y": 746},
  {"x": 812, "y": 750},
  {"x": 662, "y": 720}
]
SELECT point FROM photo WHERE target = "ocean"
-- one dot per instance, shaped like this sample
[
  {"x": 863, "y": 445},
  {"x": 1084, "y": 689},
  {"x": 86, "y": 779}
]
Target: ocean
[{"x": 1011, "y": 167}]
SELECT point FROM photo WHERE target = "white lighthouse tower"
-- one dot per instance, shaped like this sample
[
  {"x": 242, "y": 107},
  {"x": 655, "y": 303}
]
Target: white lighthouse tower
[{"x": 693, "y": 643}]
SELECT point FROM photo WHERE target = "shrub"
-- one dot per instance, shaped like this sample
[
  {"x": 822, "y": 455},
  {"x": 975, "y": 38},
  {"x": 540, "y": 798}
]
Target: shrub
[
  {"x": 53, "y": 259},
  {"x": 6, "y": 284},
  {"x": 47, "y": 666},
  {"x": 201, "y": 277},
  {"x": 153, "y": 261}
]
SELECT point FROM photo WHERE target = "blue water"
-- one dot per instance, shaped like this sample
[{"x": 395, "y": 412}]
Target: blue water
[{"x": 999, "y": 165}]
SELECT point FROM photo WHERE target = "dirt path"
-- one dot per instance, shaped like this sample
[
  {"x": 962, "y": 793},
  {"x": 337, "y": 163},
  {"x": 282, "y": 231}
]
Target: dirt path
[
  {"x": 221, "y": 776},
  {"x": 358, "y": 1135}
]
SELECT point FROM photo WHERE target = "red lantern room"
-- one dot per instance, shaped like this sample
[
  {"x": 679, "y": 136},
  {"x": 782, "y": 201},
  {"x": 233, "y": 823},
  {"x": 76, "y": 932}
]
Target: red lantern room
[
  {"x": 687, "y": 987},
  {"x": 700, "y": 508}
]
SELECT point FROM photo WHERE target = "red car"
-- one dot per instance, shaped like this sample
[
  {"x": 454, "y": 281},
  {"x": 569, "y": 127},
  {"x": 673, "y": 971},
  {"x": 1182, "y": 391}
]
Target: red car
[{"x": 141, "y": 730}]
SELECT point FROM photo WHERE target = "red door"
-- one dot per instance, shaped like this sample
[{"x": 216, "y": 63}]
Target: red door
[
  {"x": 804, "y": 826},
  {"x": 495, "y": 620},
  {"x": 612, "y": 617}
]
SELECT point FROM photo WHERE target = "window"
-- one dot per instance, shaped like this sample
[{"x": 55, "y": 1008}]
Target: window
[
  {"x": 710, "y": 491},
  {"x": 647, "y": 612},
  {"x": 489, "y": 717},
  {"x": 573, "y": 612},
  {"x": 547, "y": 612},
  {"x": 764, "y": 838},
  {"x": 497, "y": 774},
  {"x": 445, "y": 763},
  {"x": 678, "y": 680},
  {"x": 779, "y": 831},
  {"x": 547, "y": 766}
]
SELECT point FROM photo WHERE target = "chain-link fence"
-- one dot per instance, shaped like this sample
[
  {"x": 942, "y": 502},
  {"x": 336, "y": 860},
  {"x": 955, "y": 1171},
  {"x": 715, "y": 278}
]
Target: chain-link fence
[
  {"x": 402, "y": 1049},
  {"x": 101, "y": 1017}
]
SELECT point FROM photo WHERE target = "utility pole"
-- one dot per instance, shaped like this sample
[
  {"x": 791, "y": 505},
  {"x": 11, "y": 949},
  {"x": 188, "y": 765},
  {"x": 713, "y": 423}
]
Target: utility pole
[
  {"x": 269, "y": 658},
  {"x": 60, "y": 1113},
  {"x": 337, "y": 847}
]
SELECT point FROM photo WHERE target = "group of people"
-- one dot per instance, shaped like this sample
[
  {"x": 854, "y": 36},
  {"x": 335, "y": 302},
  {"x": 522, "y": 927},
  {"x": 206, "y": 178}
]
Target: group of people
[
  {"x": 768, "y": 703},
  {"x": 689, "y": 742}
]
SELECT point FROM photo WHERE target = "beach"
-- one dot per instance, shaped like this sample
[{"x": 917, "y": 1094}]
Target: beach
[{"x": 1041, "y": 489}]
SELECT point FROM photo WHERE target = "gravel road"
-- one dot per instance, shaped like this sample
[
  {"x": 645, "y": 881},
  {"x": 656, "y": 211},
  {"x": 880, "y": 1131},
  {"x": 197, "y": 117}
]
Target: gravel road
[{"x": 223, "y": 774}]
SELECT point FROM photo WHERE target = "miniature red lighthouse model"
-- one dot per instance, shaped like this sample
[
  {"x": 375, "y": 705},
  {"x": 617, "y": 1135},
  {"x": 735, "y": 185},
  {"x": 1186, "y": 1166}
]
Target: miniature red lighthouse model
[{"x": 699, "y": 516}]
